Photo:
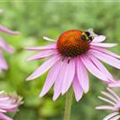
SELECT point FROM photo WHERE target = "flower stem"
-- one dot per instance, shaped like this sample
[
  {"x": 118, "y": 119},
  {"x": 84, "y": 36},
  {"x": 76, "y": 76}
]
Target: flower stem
[{"x": 68, "y": 104}]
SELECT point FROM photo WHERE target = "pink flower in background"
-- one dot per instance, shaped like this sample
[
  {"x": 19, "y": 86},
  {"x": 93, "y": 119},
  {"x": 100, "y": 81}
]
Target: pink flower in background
[
  {"x": 113, "y": 104},
  {"x": 8, "y": 103},
  {"x": 70, "y": 57},
  {"x": 5, "y": 46}
]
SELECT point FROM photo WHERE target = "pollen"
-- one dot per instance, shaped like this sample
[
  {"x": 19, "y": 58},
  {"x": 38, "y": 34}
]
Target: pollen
[{"x": 73, "y": 43}]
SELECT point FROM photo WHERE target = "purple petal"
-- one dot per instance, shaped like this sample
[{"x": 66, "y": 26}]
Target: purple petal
[
  {"x": 8, "y": 31},
  {"x": 105, "y": 51},
  {"x": 4, "y": 117},
  {"x": 3, "y": 64},
  {"x": 43, "y": 68},
  {"x": 59, "y": 81},
  {"x": 5, "y": 46},
  {"x": 106, "y": 58},
  {"x": 49, "y": 39},
  {"x": 41, "y": 55},
  {"x": 109, "y": 96},
  {"x": 104, "y": 107},
  {"x": 117, "y": 117},
  {"x": 93, "y": 69},
  {"x": 106, "y": 100},
  {"x": 69, "y": 75},
  {"x": 114, "y": 85},
  {"x": 108, "y": 117},
  {"x": 106, "y": 45},
  {"x": 47, "y": 47},
  {"x": 100, "y": 66},
  {"x": 52, "y": 76},
  {"x": 99, "y": 38},
  {"x": 113, "y": 93},
  {"x": 82, "y": 75},
  {"x": 77, "y": 89}
]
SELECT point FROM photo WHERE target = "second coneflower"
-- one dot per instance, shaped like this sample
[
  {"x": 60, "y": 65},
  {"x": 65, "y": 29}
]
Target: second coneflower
[
  {"x": 70, "y": 57},
  {"x": 5, "y": 46}
]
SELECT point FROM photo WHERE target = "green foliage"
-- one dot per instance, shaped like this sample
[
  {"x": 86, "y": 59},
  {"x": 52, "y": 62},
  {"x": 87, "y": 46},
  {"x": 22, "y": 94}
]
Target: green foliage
[{"x": 37, "y": 19}]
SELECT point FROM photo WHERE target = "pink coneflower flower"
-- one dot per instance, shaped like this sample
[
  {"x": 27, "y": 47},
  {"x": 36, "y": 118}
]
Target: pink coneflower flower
[
  {"x": 5, "y": 46},
  {"x": 113, "y": 104},
  {"x": 8, "y": 103},
  {"x": 70, "y": 57}
]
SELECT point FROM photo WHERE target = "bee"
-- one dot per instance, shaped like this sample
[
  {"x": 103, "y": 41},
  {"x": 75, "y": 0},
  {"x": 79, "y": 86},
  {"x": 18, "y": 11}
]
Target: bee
[{"x": 88, "y": 35}]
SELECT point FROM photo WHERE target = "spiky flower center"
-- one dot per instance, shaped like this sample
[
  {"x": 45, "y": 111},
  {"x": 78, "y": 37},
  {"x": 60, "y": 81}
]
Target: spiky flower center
[{"x": 73, "y": 43}]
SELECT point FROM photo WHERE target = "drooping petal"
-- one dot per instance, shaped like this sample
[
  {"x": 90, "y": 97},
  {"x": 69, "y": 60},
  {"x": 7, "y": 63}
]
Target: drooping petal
[
  {"x": 101, "y": 67},
  {"x": 59, "y": 81},
  {"x": 106, "y": 58},
  {"x": 4, "y": 117},
  {"x": 42, "y": 54},
  {"x": 106, "y": 100},
  {"x": 99, "y": 38},
  {"x": 8, "y": 31},
  {"x": 69, "y": 75},
  {"x": 104, "y": 107},
  {"x": 5, "y": 46},
  {"x": 106, "y": 45},
  {"x": 105, "y": 51},
  {"x": 108, "y": 117},
  {"x": 47, "y": 47},
  {"x": 43, "y": 68},
  {"x": 77, "y": 89},
  {"x": 49, "y": 39},
  {"x": 52, "y": 76},
  {"x": 93, "y": 69},
  {"x": 82, "y": 75}
]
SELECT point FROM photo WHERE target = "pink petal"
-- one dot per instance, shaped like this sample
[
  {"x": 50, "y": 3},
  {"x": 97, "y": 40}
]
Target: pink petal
[
  {"x": 106, "y": 100},
  {"x": 47, "y": 47},
  {"x": 52, "y": 76},
  {"x": 4, "y": 117},
  {"x": 82, "y": 75},
  {"x": 106, "y": 45},
  {"x": 77, "y": 89},
  {"x": 104, "y": 107},
  {"x": 43, "y": 68},
  {"x": 108, "y": 117},
  {"x": 59, "y": 81},
  {"x": 41, "y": 55},
  {"x": 114, "y": 85},
  {"x": 99, "y": 38},
  {"x": 93, "y": 69},
  {"x": 106, "y": 58},
  {"x": 69, "y": 75},
  {"x": 8, "y": 31},
  {"x": 109, "y": 96},
  {"x": 113, "y": 93},
  {"x": 5, "y": 46},
  {"x": 101, "y": 66},
  {"x": 3, "y": 64},
  {"x": 117, "y": 117},
  {"x": 105, "y": 51},
  {"x": 49, "y": 39}
]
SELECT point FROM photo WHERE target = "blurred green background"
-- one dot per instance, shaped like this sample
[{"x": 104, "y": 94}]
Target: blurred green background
[{"x": 37, "y": 19}]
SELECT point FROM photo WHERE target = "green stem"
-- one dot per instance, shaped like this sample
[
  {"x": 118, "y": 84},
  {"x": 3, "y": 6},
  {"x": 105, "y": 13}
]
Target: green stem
[{"x": 68, "y": 104}]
